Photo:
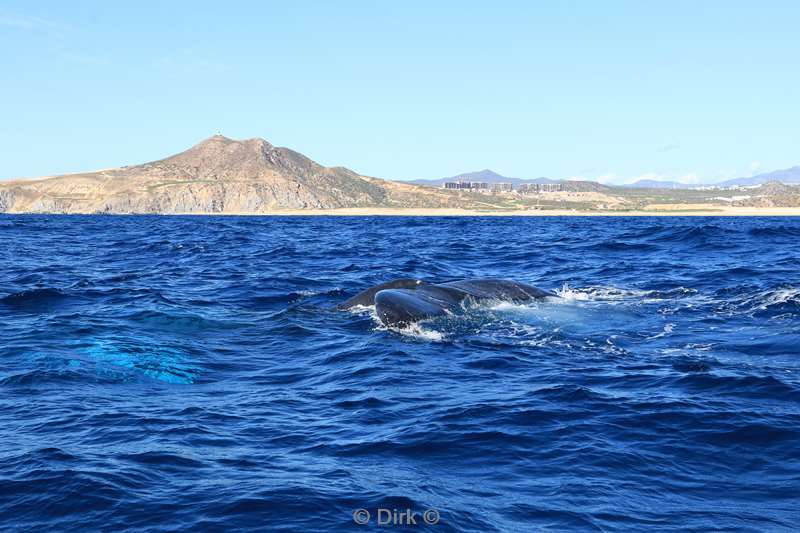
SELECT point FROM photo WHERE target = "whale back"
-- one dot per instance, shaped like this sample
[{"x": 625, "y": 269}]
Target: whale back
[
  {"x": 499, "y": 289},
  {"x": 401, "y": 307},
  {"x": 366, "y": 298},
  {"x": 402, "y": 302}
]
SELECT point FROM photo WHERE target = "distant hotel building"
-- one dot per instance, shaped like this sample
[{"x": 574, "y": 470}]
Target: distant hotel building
[
  {"x": 536, "y": 188},
  {"x": 466, "y": 185},
  {"x": 525, "y": 188}
]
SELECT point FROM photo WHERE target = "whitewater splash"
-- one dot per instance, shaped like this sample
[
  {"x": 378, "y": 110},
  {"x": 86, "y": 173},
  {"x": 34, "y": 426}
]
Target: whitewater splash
[
  {"x": 574, "y": 310},
  {"x": 591, "y": 317},
  {"x": 415, "y": 331},
  {"x": 784, "y": 298}
]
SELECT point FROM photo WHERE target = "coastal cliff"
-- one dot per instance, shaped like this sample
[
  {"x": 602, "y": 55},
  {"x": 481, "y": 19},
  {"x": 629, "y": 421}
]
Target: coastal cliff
[{"x": 219, "y": 175}]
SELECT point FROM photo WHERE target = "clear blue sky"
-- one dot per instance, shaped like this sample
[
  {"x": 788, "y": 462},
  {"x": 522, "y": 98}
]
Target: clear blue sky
[{"x": 694, "y": 90}]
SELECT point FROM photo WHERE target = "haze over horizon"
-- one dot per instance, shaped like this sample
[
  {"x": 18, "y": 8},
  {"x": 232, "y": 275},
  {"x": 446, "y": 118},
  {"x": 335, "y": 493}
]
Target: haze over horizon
[{"x": 613, "y": 93}]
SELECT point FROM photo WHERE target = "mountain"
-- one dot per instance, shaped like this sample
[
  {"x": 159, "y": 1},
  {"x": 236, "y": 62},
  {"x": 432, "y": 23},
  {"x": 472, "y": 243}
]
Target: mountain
[
  {"x": 485, "y": 176},
  {"x": 656, "y": 184},
  {"x": 489, "y": 176},
  {"x": 222, "y": 175},
  {"x": 789, "y": 175},
  {"x": 219, "y": 175}
]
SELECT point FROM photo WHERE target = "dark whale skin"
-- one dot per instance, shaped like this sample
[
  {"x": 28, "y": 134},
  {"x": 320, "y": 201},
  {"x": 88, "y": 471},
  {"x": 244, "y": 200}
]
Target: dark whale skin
[
  {"x": 401, "y": 307},
  {"x": 499, "y": 289}
]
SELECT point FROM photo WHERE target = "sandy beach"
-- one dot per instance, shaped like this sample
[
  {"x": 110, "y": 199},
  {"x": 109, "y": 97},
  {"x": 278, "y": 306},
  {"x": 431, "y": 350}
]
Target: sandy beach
[
  {"x": 715, "y": 211},
  {"x": 444, "y": 212}
]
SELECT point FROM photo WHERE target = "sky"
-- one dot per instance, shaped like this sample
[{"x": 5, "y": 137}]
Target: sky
[{"x": 614, "y": 91}]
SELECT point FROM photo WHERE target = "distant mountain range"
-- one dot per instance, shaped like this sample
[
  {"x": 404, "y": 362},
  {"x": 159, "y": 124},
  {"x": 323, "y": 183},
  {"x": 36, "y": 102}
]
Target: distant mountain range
[
  {"x": 788, "y": 176},
  {"x": 485, "y": 176},
  {"x": 657, "y": 184}
]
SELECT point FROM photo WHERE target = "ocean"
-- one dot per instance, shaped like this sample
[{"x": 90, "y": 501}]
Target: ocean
[{"x": 193, "y": 374}]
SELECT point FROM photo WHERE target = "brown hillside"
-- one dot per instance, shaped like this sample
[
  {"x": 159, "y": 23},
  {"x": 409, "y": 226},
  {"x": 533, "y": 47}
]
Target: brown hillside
[{"x": 221, "y": 175}]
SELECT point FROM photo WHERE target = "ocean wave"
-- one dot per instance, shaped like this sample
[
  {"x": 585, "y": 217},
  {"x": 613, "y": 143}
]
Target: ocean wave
[
  {"x": 43, "y": 377},
  {"x": 752, "y": 386},
  {"x": 35, "y": 298},
  {"x": 620, "y": 246},
  {"x": 182, "y": 322},
  {"x": 696, "y": 234},
  {"x": 273, "y": 300},
  {"x": 615, "y": 294},
  {"x": 774, "y": 231},
  {"x": 780, "y": 299}
]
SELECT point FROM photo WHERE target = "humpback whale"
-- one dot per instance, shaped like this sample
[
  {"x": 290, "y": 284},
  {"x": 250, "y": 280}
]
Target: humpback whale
[{"x": 401, "y": 302}]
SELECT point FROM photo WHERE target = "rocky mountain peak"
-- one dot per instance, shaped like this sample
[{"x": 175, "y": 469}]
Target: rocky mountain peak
[
  {"x": 219, "y": 144},
  {"x": 220, "y": 157}
]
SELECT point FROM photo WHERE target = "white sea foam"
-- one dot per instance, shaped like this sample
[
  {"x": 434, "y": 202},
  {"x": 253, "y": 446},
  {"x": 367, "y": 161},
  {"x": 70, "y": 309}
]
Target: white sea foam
[
  {"x": 571, "y": 295},
  {"x": 362, "y": 309},
  {"x": 598, "y": 293},
  {"x": 765, "y": 299},
  {"x": 668, "y": 328},
  {"x": 419, "y": 332},
  {"x": 416, "y": 330},
  {"x": 509, "y": 306}
]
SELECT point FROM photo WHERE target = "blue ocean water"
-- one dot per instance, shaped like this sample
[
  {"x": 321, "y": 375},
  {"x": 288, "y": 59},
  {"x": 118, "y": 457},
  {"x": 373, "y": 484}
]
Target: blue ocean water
[{"x": 192, "y": 373}]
